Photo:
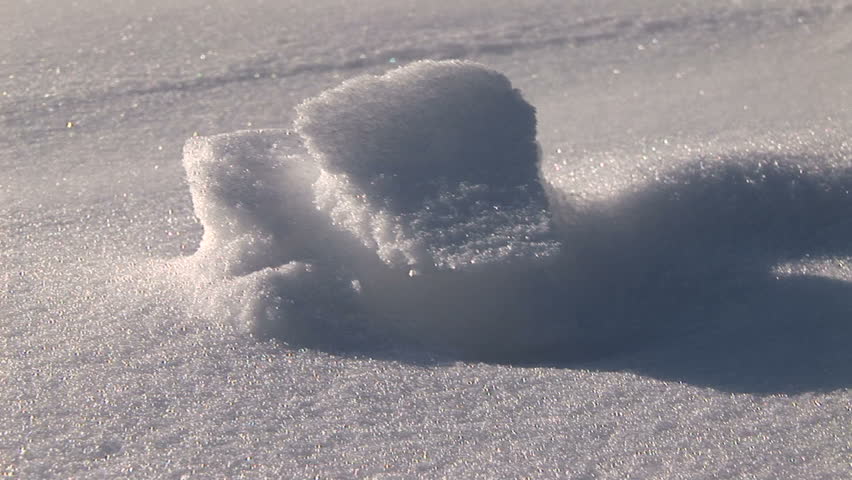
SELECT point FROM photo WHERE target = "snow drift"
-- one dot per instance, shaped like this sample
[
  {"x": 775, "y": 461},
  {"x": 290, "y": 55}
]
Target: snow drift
[
  {"x": 433, "y": 166},
  {"x": 408, "y": 208},
  {"x": 412, "y": 209}
]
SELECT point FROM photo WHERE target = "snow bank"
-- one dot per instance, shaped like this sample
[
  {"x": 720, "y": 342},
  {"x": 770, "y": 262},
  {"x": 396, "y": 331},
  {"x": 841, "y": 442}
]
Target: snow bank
[{"x": 413, "y": 211}]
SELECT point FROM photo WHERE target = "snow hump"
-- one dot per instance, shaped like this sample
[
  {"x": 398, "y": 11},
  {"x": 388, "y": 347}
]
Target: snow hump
[
  {"x": 455, "y": 120},
  {"x": 407, "y": 207},
  {"x": 433, "y": 165},
  {"x": 406, "y": 211}
]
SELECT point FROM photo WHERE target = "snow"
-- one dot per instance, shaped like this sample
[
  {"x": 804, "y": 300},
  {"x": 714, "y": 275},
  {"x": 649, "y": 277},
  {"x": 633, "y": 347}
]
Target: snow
[
  {"x": 432, "y": 165},
  {"x": 417, "y": 185},
  {"x": 203, "y": 318}
]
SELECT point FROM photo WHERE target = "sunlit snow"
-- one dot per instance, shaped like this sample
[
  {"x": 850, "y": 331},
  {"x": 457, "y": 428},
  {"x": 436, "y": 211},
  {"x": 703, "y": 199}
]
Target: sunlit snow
[{"x": 441, "y": 239}]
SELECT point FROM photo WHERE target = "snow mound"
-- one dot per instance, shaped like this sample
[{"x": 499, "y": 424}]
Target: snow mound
[
  {"x": 256, "y": 264},
  {"x": 434, "y": 166},
  {"x": 409, "y": 208},
  {"x": 237, "y": 183}
]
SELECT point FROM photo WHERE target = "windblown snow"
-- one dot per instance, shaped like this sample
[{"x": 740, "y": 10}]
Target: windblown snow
[
  {"x": 408, "y": 206},
  {"x": 412, "y": 210},
  {"x": 480, "y": 239}
]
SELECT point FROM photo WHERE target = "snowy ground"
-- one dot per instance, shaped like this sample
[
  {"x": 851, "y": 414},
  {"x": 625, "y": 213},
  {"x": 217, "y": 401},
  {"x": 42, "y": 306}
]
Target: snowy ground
[{"x": 699, "y": 153}]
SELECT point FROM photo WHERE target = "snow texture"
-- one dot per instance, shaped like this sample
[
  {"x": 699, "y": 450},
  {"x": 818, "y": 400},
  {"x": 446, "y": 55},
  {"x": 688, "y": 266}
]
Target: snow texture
[
  {"x": 680, "y": 309},
  {"x": 417, "y": 185},
  {"x": 433, "y": 165},
  {"x": 414, "y": 216},
  {"x": 258, "y": 258}
]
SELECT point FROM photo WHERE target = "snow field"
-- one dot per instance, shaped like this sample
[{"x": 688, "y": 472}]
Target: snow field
[{"x": 695, "y": 161}]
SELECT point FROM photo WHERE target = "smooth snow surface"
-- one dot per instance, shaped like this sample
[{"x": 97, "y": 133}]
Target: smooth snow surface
[{"x": 377, "y": 260}]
